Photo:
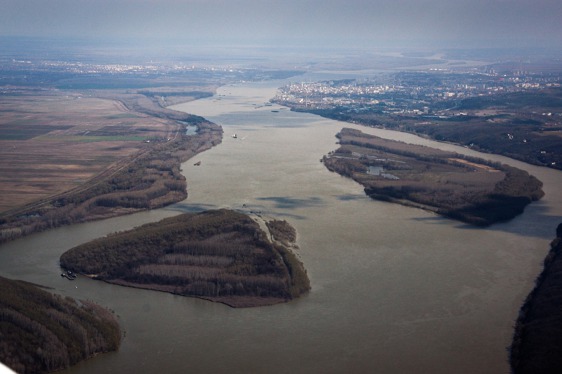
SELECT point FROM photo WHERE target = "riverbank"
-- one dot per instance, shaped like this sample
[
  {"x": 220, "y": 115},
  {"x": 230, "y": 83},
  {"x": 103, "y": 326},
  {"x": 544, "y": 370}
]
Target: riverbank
[
  {"x": 537, "y": 342},
  {"x": 148, "y": 179},
  {"x": 421, "y": 284},
  {"x": 520, "y": 125},
  {"x": 467, "y": 189}
]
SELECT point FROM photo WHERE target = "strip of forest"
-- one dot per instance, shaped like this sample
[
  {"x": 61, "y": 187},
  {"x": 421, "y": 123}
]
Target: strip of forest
[
  {"x": 43, "y": 332},
  {"x": 149, "y": 179},
  {"x": 537, "y": 341},
  {"x": 511, "y": 130},
  {"x": 220, "y": 255},
  {"x": 467, "y": 189}
]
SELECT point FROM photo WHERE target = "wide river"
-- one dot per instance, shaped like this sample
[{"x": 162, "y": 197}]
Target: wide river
[{"x": 394, "y": 289}]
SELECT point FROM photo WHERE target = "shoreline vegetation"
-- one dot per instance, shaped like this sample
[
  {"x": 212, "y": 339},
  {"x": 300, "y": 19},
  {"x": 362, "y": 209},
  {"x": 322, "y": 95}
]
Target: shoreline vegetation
[
  {"x": 513, "y": 121},
  {"x": 91, "y": 149},
  {"x": 217, "y": 255},
  {"x": 537, "y": 341},
  {"x": 42, "y": 332},
  {"x": 464, "y": 188},
  {"x": 148, "y": 179},
  {"x": 224, "y": 256}
]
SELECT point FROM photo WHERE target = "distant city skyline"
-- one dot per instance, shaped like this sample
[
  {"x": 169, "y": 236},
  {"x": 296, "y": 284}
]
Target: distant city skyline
[{"x": 360, "y": 23}]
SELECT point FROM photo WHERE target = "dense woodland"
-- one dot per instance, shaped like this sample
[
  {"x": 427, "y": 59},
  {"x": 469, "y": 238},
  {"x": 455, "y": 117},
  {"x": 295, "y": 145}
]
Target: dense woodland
[
  {"x": 217, "y": 255},
  {"x": 148, "y": 180},
  {"x": 283, "y": 232},
  {"x": 463, "y": 188},
  {"x": 42, "y": 332},
  {"x": 537, "y": 342}
]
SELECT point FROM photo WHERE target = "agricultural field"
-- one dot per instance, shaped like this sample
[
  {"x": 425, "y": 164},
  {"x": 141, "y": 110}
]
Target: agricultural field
[{"x": 52, "y": 141}]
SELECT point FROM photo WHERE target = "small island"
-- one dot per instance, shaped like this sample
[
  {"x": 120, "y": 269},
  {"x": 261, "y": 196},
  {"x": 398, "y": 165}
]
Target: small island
[
  {"x": 218, "y": 255},
  {"x": 464, "y": 188},
  {"x": 42, "y": 332}
]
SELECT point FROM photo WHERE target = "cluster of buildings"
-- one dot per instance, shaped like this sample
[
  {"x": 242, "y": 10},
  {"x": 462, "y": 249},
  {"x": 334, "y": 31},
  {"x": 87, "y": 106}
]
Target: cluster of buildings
[
  {"x": 408, "y": 92},
  {"x": 78, "y": 67}
]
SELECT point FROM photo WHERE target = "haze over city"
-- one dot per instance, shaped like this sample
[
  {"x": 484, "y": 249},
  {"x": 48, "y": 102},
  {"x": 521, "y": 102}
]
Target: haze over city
[{"x": 359, "y": 23}]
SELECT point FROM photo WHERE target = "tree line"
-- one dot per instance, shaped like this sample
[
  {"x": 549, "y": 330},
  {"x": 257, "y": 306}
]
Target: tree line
[
  {"x": 447, "y": 183},
  {"x": 42, "y": 332},
  {"x": 221, "y": 254},
  {"x": 537, "y": 340},
  {"x": 148, "y": 180}
]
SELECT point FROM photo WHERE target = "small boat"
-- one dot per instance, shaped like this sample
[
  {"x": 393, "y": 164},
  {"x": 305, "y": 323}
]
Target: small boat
[{"x": 68, "y": 275}]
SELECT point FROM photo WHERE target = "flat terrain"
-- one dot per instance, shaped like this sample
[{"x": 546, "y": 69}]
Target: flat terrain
[
  {"x": 75, "y": 157},
  {"x": 84, "y": 141},
  {"x": 51, "y": 141},
  {"x": 466, "y": 189}
]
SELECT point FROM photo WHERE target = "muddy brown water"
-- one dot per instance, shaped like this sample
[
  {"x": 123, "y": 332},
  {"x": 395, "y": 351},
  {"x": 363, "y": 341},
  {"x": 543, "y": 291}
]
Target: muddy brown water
[{"x": 394, "y": 289}]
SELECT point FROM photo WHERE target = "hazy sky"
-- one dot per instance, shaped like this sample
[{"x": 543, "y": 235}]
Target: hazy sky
[{"x": 350, "y": 22}]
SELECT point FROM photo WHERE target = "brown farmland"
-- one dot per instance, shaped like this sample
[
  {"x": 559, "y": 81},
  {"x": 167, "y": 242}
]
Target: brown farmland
[
  {"x": 51, "y": 142},
  {"x": 68, "y": 158}
]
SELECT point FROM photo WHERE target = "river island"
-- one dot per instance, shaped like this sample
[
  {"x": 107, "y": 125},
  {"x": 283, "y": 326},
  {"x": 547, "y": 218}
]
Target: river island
[
  {"x": 468, "y": 189},
  {"x": 44, "y": 332},
  {"x": 218, "y": 255}
]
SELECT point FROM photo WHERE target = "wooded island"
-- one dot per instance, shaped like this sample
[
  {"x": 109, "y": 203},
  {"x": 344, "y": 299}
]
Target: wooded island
[
  {"x": 464, "y": 188},
  {"x": 219, "y": 255},
  {"x": 42, "y": 332}
]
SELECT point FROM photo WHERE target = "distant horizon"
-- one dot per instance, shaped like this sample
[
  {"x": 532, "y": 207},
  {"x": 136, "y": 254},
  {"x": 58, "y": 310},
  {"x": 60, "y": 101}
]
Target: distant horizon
[
  {"x": 357, "y": 44},
  {"x": 361, "y": 24},
  {"x": 176, "y": 47}
]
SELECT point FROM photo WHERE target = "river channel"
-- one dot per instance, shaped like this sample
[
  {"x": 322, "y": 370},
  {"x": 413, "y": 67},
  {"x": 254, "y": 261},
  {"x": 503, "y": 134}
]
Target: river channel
[{"x": 394, "y": 289}]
